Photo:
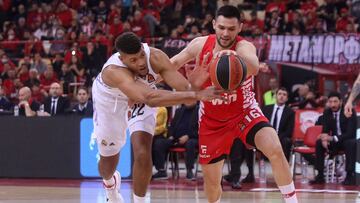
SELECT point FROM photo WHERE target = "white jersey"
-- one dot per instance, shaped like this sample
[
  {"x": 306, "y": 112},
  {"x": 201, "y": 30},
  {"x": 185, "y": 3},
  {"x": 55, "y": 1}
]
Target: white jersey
[{"x": 111, "y": 113}]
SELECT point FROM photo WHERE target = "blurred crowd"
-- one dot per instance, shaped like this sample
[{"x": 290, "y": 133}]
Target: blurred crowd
[{"x": 67, "y": 42}]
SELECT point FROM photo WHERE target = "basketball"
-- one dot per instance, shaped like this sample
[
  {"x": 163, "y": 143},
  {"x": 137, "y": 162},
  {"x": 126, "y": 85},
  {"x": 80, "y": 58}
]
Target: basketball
[{"x": 227, "y": 72}]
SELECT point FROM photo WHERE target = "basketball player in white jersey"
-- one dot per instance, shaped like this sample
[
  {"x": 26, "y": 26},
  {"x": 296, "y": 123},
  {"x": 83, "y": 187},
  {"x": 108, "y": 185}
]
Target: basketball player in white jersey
[{"x": 129, "y": 76}]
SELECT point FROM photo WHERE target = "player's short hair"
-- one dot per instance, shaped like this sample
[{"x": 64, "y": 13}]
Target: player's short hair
[
  {"x": 228, "y": 12},
  {"x": 128, "y": 43},
  {"x": 335, "y": 94}
]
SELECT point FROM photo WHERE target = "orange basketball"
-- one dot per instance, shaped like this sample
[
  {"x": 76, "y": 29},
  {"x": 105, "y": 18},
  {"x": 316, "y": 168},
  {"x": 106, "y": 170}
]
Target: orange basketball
[{"x": 227, "y": 72}]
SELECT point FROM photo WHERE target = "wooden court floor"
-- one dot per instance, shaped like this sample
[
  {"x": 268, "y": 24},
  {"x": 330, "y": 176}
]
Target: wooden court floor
[{"x": 163, "y": 191}]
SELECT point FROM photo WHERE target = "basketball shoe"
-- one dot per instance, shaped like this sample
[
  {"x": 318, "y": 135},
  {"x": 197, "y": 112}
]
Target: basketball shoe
[{"x": 113, "y": 192}]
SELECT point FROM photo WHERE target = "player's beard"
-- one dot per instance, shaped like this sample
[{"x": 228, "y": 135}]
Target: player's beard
[{"x": 224, "y": 46}]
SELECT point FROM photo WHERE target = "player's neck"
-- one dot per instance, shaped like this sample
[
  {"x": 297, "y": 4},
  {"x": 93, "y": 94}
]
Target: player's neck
[{"x": 220, "y": 48}]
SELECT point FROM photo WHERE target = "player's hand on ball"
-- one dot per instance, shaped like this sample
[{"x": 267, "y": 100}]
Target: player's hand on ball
[
  {"x": 348, "y": 109},
  {"x": 200, "y": 74},
  {"x": 224, "y": 52},
  {"x": 209, "y": 94}
]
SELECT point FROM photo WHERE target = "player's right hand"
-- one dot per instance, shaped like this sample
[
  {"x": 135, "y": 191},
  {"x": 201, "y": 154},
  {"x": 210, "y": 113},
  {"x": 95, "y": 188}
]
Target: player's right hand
[
  {"x": 198, "y": 76},
  {"x": 209, "y": 94},
  {"x": 348, "y": 109}
]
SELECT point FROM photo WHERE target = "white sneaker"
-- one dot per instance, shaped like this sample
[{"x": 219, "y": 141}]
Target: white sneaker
[{"x": 113, "y": 193}]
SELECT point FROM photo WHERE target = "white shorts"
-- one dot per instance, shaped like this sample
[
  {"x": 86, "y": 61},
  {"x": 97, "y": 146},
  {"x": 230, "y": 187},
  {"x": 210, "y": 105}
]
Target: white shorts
[{"x": 112, "y": 117}]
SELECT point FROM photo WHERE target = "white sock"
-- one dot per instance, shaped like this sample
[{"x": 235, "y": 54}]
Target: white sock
[
  {"x": 288, "y": 192},
  {"x": 138, "y": 199},
  {"x": 110, "y": 182}
]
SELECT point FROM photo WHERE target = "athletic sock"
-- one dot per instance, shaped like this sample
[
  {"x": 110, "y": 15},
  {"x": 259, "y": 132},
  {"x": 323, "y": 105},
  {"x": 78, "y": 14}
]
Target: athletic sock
[
  {"x": 288, "y": 192},
  {"x": 138, "y": 199},
  {"x": 109, "y": 183}
]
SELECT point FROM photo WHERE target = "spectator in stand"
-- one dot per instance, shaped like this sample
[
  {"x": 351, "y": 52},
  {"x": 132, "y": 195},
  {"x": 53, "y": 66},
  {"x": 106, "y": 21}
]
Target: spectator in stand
[
  {"x": 114, "y": 11},
  {"x": 84, "y": 107},
  {"x": 87, "y": 26},
  {"x": 101, "y": 25},
  {"x": 311, "y": 21},
  {"x": 295, "y": 22},
  {"x": 83, "y": 10},
  {"x": 10, "y": 44},
  {"x": 5, "y": 104},
  {"x": 274, "y": 23},
  {"x": 21, "y": 12},
  {"x": 5, "y": 6},
  {"x": 66, "y": 77},
  {"x": 57, "y": 63},
  {"x": 33, "y": 78},
  {"x": 152, "y": 18},
  {"x": 138, "y": 25},
  {"x": 254, "y": 23},
  {"x": 299, "y": 94},
  {"x": 21, "y": 28},
  {"x": 194, "y": 32},
  {"x": 73, "y": 51},
  {"x": 327, "y": 12},
  {"x": 101, "y": 11},
  {"x": 116, "y": 27},
  {"x": 93, "y": 59},
  {"x": 308, "y": 6},
  {"x": 23, "y": 73},
  {"x": 59, "y": 45},
  {"x": 39, "y": 64},
  {"x": 38, "y": 94},
  {"x": 56, "y": 104},
  {"x": 48, "y": 77},
  {"x": 27, "y": 106},
  {"x": 64, "y": 14},
  {"x": 181, "y": 31},
  {"x": 27, "y": 60},
  {"x": 9, "y": 83},
  {"x": 270, "y": 95},
  {"x": 42, "y": 32},
  {"x": 207, "y": 23},
  {"x": 78, "y": 69},
  {"x": 343, "y": 21}
]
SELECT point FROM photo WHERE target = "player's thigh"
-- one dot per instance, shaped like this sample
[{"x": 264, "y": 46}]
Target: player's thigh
[
  {"x": 109, "y": 128},
  {"x": 141, "y": 133},
  {"x": 267, "y": 141},
  {"x": 213, "y": 172}
]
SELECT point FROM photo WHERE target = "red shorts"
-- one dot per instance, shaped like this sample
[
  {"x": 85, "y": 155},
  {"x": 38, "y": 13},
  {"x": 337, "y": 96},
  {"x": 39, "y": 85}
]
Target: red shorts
[{"x": 216, "y": 137}]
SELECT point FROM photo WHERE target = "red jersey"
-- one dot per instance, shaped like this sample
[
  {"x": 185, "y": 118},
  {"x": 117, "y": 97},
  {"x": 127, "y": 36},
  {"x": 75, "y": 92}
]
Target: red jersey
[{"x": 222, "y": 111}]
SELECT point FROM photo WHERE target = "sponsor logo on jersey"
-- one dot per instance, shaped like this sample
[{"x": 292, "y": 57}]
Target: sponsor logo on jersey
[{"x": 229, "y": 98}]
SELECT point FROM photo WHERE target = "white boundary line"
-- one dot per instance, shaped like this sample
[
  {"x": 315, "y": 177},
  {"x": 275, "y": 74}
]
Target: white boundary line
[{"x": 306, "y": 190}]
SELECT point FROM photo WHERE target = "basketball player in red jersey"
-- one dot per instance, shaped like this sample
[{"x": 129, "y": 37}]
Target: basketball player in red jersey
[{"x": 221, "y": 122}]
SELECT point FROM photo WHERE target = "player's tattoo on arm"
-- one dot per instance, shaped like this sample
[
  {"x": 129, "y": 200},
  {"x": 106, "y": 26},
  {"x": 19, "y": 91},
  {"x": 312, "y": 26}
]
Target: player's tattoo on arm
[{"x": 356, "y": 89}]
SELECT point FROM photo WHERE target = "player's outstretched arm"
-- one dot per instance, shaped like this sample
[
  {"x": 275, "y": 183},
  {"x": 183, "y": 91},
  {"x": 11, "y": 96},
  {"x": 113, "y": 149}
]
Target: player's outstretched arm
[
  {"x": 189, "y": 53},
  {"x": 139, "y": 92},
  {"x": 354, "y": 93},
  {"x": 161, "y": 63}
]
